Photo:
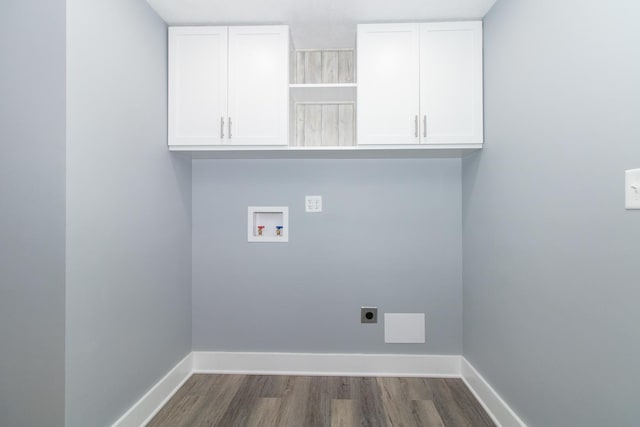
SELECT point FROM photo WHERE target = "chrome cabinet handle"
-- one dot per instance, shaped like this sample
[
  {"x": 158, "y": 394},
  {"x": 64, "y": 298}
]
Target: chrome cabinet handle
[
  {"x": 416, "y": 127},
  {"x": 221, "y": 127},
  {"x": 424, "y": 126},
  {"x": 229, "y": 127}
]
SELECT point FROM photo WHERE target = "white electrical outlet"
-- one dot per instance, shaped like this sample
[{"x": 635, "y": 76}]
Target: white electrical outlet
[
  {"x": 313, "y": 204},
  {"x": 632, "y": 189}
]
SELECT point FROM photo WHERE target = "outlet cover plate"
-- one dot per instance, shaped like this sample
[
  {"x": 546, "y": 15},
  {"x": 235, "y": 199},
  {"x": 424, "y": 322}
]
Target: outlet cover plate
[{"x": 313, "y": 204}]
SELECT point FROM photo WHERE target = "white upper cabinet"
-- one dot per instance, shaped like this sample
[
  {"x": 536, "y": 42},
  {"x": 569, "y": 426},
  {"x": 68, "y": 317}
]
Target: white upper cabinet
[
  {"x": 451, "y": 83},
  {"x": 228, "y": 85},
  {"x": 197, "y": 84},
  {"x": 388, "y": 84},
  {"x": 420, "y": 83},
  {"x": 258, "y": 85}
]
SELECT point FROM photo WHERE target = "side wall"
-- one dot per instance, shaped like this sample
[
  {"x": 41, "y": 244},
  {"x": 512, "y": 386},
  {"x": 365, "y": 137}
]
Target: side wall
[
  {"x": 128, "y": 213},
  {"x": 550, "y": 254},
  {"x": 32, "y": 196},
  {"x": 389, "y": 235}
]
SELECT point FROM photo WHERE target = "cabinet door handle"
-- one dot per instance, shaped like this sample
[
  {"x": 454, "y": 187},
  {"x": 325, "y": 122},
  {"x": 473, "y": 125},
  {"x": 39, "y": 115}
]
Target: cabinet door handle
[
  {"x": 229, "y": 127},
  {"x": 221, "y": 127},
  {"x": 416, "y": 127},
  {"x": 424, "y": 126}
]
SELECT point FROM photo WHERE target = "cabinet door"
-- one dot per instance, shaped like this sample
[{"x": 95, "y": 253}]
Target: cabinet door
[
  {"x": 388, "y": 84},
  {"x": 258, "y": 85},
  {"x": 197, "y": 85},
  {"x": 451, "y": 83}
]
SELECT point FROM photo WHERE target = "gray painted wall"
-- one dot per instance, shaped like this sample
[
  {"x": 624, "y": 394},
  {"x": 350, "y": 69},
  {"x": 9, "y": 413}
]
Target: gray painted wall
[
  {"x": 128, "y": 213},
  {"x": 389, "y": 235},
  {"x": 32, "y": 195},
  {"x": 550, "y": 255}
]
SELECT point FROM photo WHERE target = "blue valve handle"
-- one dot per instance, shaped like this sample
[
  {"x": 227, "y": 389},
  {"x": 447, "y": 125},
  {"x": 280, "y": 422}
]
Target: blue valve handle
[{"x": 279, "y": 227}]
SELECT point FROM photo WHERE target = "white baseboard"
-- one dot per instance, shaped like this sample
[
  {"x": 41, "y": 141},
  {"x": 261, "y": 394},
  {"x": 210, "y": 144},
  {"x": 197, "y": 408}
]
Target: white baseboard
[
  {"x": 320, "y": 364},
  {"x": 143, "y": 410},
  {"x": 495, "y": 406},
  {"x": 408, "y": 365}
]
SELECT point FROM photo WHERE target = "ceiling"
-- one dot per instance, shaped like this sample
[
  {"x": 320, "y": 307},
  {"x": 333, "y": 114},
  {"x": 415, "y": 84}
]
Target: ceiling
[{"x": 317, "y": 23}]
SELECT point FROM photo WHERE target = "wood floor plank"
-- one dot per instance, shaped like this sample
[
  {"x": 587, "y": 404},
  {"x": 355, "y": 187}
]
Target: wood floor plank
[
  {"x": 297, "y": 401},
  {"x": 469, "y": 404},
  {"x": 417, "y": 388},
  {"x": 397, "y": 407},
  {"x": 344, "y": 413},
  {"x": 219, "y": 397},
  {"x": 368, "y": 395},
  {"x": 425, "y": 413},
  {"x": 318, "y": 411},
  {"x": 265, "y": 412},
  {"x": 449, "y": 410},
  {"x": 188, "y": 387},
  {"x": 340, "y": 387},
  {"x": 274, "y": 386},
  {"x": 294, "y": 402},
  {"x": 177, "y": 414},
  {"x": 239, "y": 409},
  {"x": 204, "y": 383},
  {"x": 196, "y": 392}
]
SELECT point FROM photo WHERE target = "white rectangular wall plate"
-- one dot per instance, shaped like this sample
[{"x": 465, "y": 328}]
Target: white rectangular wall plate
[
  {"x": 404, "y": 328},
  {"x": 268, "y": 224},
  {"x": 313, "y": 204},
  {"x": 632, "y": 189}
]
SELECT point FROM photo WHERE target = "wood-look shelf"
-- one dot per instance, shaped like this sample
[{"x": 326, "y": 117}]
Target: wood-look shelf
[{"x": 323, "y": 92}]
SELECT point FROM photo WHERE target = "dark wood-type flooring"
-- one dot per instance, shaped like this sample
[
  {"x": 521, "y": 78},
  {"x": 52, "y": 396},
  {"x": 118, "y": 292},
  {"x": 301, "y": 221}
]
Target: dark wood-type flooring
[{"x": 296, "y": 401}]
